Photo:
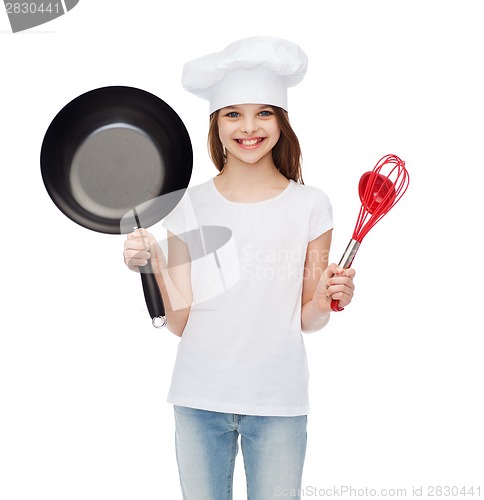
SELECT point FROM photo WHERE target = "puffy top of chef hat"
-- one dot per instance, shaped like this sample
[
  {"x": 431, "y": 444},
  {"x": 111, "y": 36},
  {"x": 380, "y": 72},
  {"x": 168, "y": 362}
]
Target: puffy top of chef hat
[{"x": 256, "y": 70}]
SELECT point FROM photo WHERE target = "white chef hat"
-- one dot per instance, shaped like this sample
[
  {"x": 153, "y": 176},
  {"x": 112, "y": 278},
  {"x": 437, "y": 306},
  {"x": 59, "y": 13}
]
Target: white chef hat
[{"x": 256, "y": 70}]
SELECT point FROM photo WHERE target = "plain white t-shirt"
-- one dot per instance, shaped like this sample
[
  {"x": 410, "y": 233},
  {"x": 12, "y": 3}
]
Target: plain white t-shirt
[{"x": 242, "y": 350}]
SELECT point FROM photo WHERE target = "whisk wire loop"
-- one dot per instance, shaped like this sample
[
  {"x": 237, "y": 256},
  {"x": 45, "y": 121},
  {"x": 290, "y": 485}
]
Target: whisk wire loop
[{"x": 379, "y": 193}]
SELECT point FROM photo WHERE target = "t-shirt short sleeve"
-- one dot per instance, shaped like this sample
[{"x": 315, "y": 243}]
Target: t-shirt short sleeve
[
  {"x": 321, "y": 219},
  {"x": 175, "y": 221},
  {"x": 182, "y": 218}
]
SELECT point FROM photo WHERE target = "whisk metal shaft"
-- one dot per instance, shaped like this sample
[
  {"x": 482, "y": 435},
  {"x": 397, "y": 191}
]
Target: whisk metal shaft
[{"x": 349, "y": 254}]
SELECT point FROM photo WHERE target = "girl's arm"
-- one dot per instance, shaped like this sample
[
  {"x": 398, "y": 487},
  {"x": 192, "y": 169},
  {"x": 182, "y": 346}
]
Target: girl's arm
[
  {"x": 321, "y": 283},
  {"x": 173, "y": 278}
]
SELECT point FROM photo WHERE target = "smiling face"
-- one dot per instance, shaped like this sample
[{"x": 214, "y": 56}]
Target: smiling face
[{"x": 248, "y": 132}]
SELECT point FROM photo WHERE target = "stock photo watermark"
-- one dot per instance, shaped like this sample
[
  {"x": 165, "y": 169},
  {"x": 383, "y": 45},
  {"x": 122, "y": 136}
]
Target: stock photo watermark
[
  {"x": 26, "y": 15},
  {"x": 278, "y": 263},
  {"x": 342, "y": 491}
]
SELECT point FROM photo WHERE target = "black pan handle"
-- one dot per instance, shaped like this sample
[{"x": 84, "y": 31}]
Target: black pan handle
[
  {"x": 153, "y": 298},
  {"x": 151, "y": 290}
]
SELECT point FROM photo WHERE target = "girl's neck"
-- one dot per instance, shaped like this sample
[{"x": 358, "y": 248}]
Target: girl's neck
[{"x": 242, "y": 182}]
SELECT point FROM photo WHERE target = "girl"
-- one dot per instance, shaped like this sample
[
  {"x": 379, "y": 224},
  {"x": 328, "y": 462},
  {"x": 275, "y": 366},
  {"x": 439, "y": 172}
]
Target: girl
[{"x": 241, "y": 367}]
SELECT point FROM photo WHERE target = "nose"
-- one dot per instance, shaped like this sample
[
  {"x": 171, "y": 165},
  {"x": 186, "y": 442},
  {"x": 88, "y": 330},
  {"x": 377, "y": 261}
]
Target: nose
[{"x": 249, "y": 125}]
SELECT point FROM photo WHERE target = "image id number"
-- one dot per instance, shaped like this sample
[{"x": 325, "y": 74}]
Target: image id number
[
  {"x": 453, "y": 491},
  {"x": 32, "y": 8}
]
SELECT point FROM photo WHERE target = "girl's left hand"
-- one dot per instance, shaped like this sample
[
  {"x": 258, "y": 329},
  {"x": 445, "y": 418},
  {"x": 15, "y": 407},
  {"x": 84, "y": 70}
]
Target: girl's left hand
[{"x": 336, "y": 283}]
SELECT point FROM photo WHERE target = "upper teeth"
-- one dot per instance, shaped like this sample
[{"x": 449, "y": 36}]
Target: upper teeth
[{"x": 252, "y": 142}]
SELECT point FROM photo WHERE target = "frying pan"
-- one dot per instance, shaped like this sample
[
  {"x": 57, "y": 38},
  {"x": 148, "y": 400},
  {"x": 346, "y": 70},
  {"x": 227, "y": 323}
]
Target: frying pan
[{"x": 118, "y": 154}]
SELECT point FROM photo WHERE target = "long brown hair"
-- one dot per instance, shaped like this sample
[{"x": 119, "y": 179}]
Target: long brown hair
[{"x": 286, "y": 154}]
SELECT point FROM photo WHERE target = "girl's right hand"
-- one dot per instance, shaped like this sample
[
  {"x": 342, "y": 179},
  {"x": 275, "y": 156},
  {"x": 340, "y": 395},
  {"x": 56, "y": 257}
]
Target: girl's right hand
[{"x": 139, "y": 247}]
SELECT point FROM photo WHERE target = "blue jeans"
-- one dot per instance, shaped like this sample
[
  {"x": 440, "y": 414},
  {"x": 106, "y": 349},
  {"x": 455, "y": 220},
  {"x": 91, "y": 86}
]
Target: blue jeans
[{"x": 273, "y": 449}]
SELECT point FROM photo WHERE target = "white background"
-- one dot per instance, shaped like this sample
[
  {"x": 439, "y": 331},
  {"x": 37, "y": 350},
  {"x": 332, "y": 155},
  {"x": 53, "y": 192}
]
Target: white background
[{"x": 396, "y": 379}]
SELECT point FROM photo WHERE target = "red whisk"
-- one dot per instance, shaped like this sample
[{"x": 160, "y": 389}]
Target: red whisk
[{"x": 378, "y": 194}]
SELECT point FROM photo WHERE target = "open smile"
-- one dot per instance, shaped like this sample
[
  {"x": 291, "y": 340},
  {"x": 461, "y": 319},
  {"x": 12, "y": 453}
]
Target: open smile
[{"x": 250, "y": 143}]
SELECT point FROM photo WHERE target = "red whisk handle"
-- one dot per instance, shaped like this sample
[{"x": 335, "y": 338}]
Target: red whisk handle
[
  {"x": 345, "y": 262},
  {"x": 335, "y": 306}
]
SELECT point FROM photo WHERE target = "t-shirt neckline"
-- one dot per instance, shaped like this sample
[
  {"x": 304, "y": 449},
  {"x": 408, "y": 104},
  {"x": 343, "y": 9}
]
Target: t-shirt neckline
[{"x": 251, "y": 203}]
